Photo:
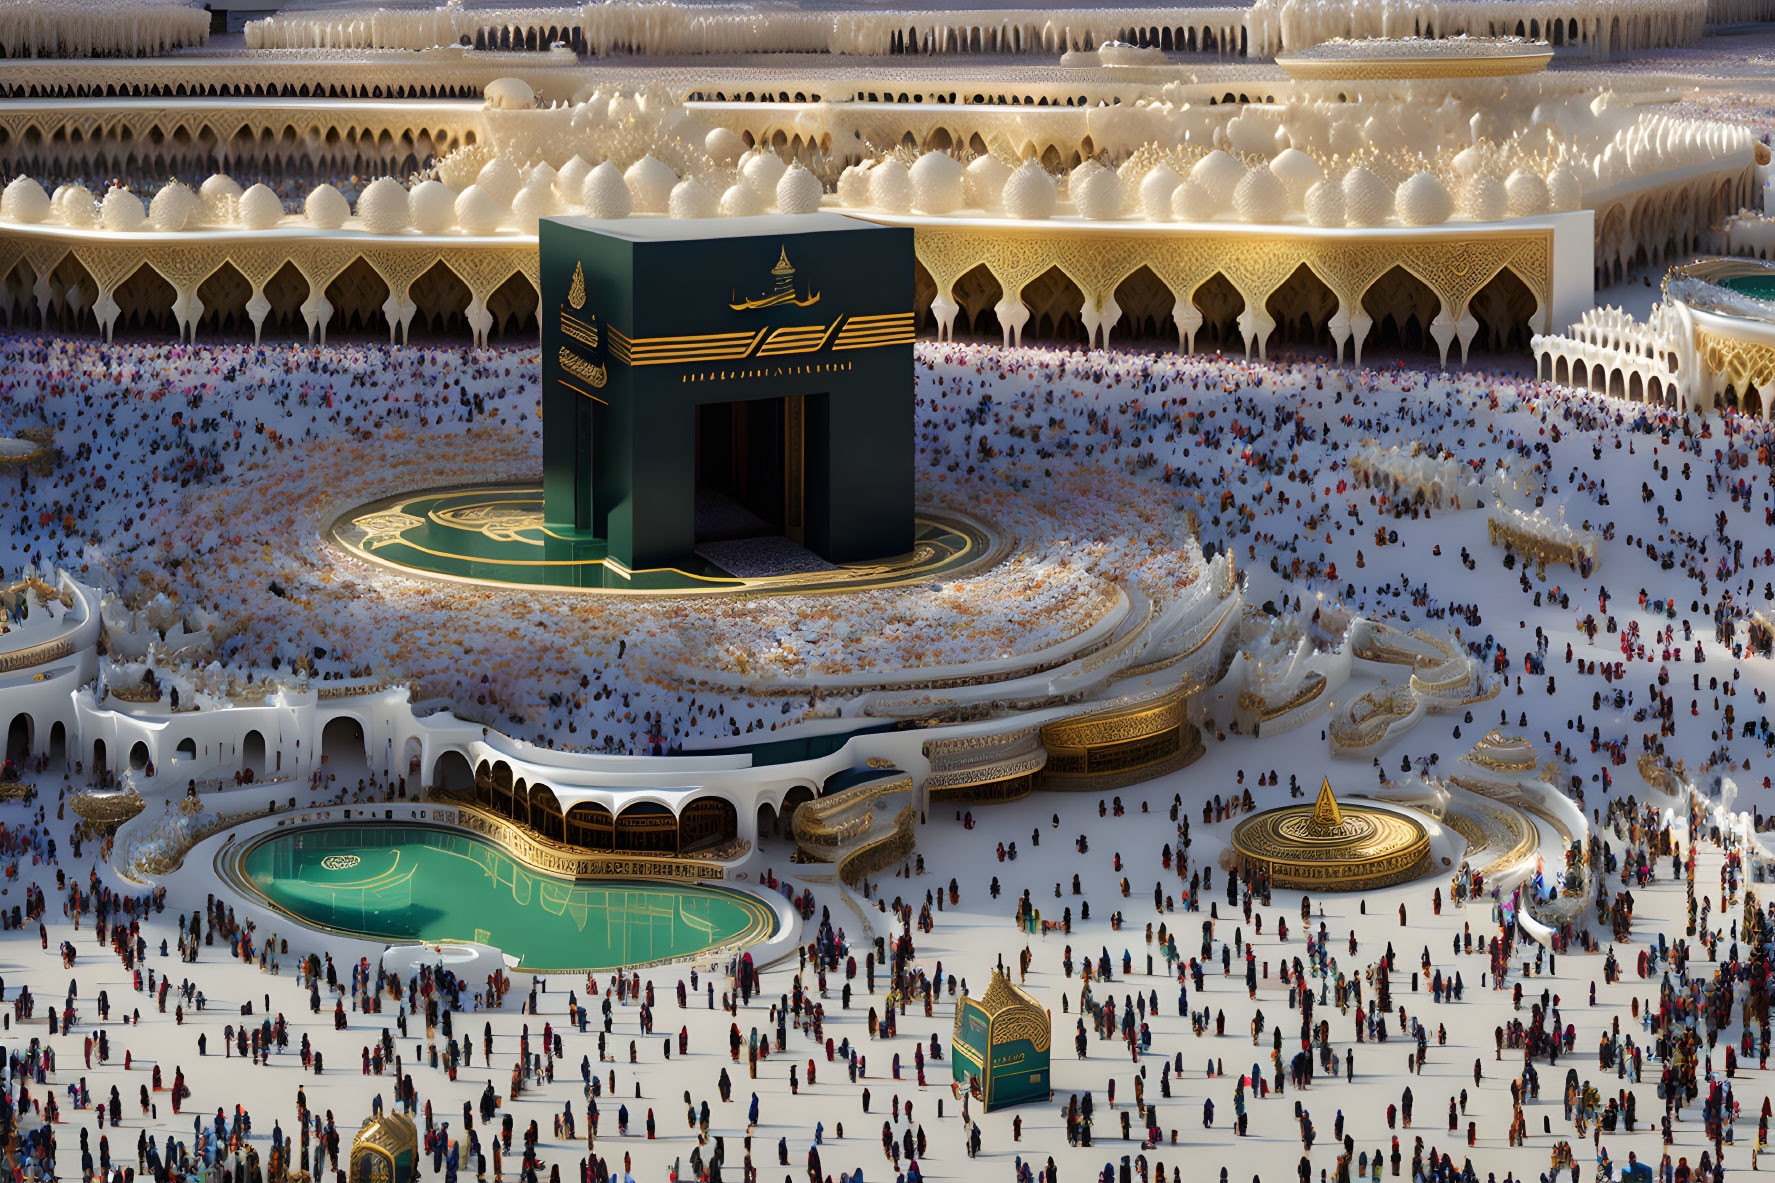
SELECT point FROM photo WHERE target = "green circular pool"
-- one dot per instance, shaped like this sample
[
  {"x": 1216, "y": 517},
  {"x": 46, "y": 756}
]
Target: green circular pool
[
  {"x": 1760, "y": 287},
  {"x": 400, "y": 883}
]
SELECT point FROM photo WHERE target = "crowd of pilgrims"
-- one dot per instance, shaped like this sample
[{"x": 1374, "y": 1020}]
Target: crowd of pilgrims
[
  {"x": 1269, "y": 436},
  {"x": 1258, "y": 454}
]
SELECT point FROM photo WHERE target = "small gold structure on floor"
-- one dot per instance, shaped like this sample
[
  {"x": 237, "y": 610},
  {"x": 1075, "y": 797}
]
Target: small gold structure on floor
[{"x": 1328, "y": 846}]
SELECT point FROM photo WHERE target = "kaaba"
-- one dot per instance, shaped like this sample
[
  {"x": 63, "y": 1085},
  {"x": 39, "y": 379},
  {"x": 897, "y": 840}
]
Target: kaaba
[{"x": 728, "y": 381}]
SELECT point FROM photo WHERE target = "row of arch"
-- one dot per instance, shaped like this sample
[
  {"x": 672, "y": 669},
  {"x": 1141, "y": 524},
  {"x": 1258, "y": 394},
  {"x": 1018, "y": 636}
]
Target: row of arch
[
  {"x": 704, "y": 823},
  {"x": 1623, "y": 382},
  {"x": 66, "y": 82},
  {"x": 1026, "y": 37},
  {"x": 1401, "y": 310},
  {"x": 198, "y": 144},
  {"x": 1659, "y": 226},
  {"x": 531, "y": 38},
  {"x": 438, "y": 304},
  {"x": 1401, "y": 307}
]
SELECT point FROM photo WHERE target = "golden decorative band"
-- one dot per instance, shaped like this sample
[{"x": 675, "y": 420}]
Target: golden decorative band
[
  {"x": 1116, "y": 726},
  {"x": 854, "y": 332}
]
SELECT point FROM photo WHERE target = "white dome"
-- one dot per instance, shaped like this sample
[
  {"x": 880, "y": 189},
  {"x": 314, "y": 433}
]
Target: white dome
[
  {"x": 1261, "y": 196},
  {"x": 1467, "y": 161},
  {"x": 259, "y": 208},
  {"x": 983, "y": 183},
  {"x": 799, "y": 191},
  {"x": 477, "y": 212},
  {"x": 1368, "y": 201},
  {"x": 853, "y": 187},
  {"x": 570, "y": 181},
  {"x": 890, "y": 187},
  {"x": 605, "y": 194},
  {"x": 724, "y": 145},
  {"x": 533, "y": 203},
  {"x": 216, "y": 193},
  {"x": 499, "y": 177},
  {"x": 741, "y": 201},
  {"x": 1156, "y": 188},
  {"x": 937, "y": 185},
  {"x": 1029, "y": 192},
  {"x": 1096, "y": 191},
  {"x": 692, "y": 199},
  {"x": 1298, "y": 172},
  {"x": 1528, "y": 194},
  {"x": 762, "y": 171},
  {"x": 1191, "y": 202},
  {"x": 1564, "y": 190},
  {"x": 172, "y": 207},
  {"x": 1423, "y": 200},
  {"x": 121, "y": 210},
  {"x": 650, "y": 181},
  {"x": 1219, "y": 173},
  {"x": 25, "y": 201},
  {"x": 382, "y": 207},
  {"x": 1484, "y": 199},
  {"x": 1325, "y": 203},
  {"x": 326, "y": 208},
  {"x": 431, "y": 207},
  {"x": 508, "y": 94},
  {"x": 76, "y": 206}
]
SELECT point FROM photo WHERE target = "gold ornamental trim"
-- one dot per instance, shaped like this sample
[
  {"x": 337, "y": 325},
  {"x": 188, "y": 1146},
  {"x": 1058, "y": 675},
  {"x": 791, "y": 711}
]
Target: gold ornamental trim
[
  {"x": 33, "y": 655},
  {"x": 1116, "y": 726},
  {"x": 557, "y": 858},
  {"x": 1312, "y": 686},
  {"x": 847, "y": 332},
  {"x": 1501, "y": 65},
  {"x": 1742, "y": 363}
]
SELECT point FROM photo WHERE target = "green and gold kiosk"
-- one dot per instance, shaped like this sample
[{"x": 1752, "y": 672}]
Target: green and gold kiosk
[
  {"x": 1000, "y": 1046},
  {"x": 386, "y": 1150}
]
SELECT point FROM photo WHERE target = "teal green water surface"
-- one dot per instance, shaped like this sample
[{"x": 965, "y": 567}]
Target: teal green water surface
[
  {"x": 415, "y": 883},
  {"x": 1761, "y": 287}
]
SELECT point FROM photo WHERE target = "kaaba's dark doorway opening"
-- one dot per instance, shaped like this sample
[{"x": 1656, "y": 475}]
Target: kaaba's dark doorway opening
[{"x": 741, "y": 470}]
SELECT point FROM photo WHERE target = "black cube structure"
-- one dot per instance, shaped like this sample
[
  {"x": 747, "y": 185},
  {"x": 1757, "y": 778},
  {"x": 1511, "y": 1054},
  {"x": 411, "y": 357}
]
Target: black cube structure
[{"x": 712, "y": 379}]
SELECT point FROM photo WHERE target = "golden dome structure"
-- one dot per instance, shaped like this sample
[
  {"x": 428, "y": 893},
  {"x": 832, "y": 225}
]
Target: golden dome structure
[{"x": 1328, "y": 846}]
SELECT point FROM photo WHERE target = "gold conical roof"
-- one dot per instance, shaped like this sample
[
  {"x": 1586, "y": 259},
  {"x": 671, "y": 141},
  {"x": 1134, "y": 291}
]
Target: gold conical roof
[{"x": 1326, "y": 814}]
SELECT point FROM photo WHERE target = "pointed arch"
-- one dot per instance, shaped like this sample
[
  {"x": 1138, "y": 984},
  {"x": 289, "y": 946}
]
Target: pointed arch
[
  {"x": 1146, "y": 303},
  {"x": 977, "y": 293},
  {"x": 1220, "y": 304},
  {"x": 1401, "y": 305},
  {"x": 1302, "y": 307},
  {"x": 224, "y": 297},
  {"x": 1054, "y": 301},
  {"x": 1506, "y": 309},
  {"x": 442, "y": 300},
  {"x": 513, "y": 306},
  {"x": 146, "y": 301},
  {"x": 357, "y": 294}
]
